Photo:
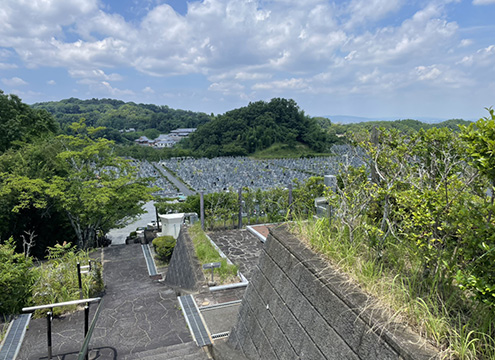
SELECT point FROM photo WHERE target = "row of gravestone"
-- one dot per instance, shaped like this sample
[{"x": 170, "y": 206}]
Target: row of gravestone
[
  {"x": 147, "y": 170},
  {"x": 220, "y": 174}
]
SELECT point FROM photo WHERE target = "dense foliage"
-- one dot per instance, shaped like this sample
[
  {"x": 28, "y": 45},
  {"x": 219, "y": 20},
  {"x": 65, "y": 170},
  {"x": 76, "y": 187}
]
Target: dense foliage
[
  {"x": 16, "y": 279},
  {"x": 63, "y": 188},
  {"x": 19, "y": 123},
  {"x": 258, "y": 206},
  {"x": 115, "y": 115},
  {"x": 419, "y": 216},
  {"x": 256, "y": 127},
  {"x": 407, "y": 126}
]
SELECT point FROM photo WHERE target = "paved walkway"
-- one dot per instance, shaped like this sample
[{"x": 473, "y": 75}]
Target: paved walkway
[
  {"x": 178, "y": 183},
  {"x": 118, "y": 236},
  {"x": 139, "y": 316},
  {"x": 241, "y": 247}
]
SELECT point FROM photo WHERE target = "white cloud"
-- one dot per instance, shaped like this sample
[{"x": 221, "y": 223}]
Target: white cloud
[
  {"x": 51, "y": 82},
  {"x": 483, "y": 2},
  {"x": 15, "y": 81},
  {"x": 466, "y": 42},
  {"x": 362, "y": 11},
  {"x": 428, "y": 72},
  {"x": 271, "y": 48},
  {"x": 105, "y": 87},
  {"x": 94, "y": 75},
  {"x": 287, "y": 84},
  {"x": 481, "y": 59},
  {"x": 227, "y": 88},
  {"x": 6, "y": 66}
]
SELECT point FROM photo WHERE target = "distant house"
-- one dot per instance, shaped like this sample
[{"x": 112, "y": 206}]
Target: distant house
[
  {"x": 165, "y": 142},
  {"x": 143, "y": 140},
  {"x": 182, "y": 133},
  {"x": 127, "y": 130}
]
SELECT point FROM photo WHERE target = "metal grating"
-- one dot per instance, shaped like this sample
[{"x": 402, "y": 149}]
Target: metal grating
[
  {"x": 150, "y": 263},
  {"x": 13, "y": 339},
  {"x": 194, "y": 320},
  {"x": 220, "y": 335}
]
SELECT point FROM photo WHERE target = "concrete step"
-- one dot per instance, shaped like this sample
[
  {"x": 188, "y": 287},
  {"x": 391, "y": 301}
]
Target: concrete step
[{"x": 179, "y": 351}]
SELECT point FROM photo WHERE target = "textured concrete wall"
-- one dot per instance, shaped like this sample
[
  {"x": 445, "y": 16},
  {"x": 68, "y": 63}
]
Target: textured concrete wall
[
  {"x": 297, "y": 307},
  {"x": 184, "y": 270}
]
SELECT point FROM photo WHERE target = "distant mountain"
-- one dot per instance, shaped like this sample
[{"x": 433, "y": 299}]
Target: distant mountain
[{"x": 347, "y": 119}]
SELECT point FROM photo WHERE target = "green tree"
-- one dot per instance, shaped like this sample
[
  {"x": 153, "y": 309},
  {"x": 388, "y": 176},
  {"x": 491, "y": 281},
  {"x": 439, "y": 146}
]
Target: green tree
[
  {"x": 19, "y": 123},
  {"x": 95, "y": 189},
  {"x": 479, "y": 251}
]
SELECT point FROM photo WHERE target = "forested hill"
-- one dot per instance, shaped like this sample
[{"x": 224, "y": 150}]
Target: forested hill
[
  {"x": 256, "y": 127},
  {"x": 117, "y": 115},
  {"x": 407, "y": 125}
]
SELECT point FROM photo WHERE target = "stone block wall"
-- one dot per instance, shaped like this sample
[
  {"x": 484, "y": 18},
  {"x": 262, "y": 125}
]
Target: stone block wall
[
  {"x": 184, "y": 270},
  {"x": 298, "y": 307}
]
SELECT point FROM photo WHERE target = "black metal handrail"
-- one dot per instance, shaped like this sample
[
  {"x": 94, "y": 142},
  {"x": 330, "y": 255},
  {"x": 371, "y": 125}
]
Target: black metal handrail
[
  {"x": 83, "y": 354},
  {"x": 49, "y": 316}
]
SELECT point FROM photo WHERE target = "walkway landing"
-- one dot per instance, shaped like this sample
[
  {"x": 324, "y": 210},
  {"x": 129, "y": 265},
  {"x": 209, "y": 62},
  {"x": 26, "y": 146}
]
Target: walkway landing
[
  {"x": 139, "y": 316},
  {"x": 241, "y": 247}
]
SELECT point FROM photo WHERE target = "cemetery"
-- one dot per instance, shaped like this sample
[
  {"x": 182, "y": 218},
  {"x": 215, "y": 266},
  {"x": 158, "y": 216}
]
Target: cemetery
[{"x": 222, "y": 174}]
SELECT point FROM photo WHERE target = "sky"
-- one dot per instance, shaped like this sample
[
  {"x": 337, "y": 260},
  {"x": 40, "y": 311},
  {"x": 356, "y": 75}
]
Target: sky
[{"x": 371, "y": 58}]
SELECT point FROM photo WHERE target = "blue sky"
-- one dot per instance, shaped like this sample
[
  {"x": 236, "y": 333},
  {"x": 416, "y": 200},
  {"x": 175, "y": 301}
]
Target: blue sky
[{"x": 370, "y": 58}]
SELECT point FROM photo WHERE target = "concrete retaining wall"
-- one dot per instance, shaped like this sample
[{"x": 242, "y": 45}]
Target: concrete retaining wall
[
  {"x": 184, "y": 270},
  {"x": 297, "y": 307}
]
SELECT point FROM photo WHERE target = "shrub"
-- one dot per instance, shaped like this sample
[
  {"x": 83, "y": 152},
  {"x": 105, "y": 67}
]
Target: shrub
[
  {"x": 58, "y": 280},
  {"x": 16, "y": 279},
  {"x": 164, "y": 246}
]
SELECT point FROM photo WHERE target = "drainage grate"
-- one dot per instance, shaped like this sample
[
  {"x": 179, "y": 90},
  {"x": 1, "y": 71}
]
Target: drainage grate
[
  {"x": 194, "y": 320},
  {"x": 150, "y": 263},
  {"x": 220, "y": 335},
  {"x": 13, "y": 339}
]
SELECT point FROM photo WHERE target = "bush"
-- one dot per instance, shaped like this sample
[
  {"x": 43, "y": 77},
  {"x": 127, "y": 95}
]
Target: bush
[
  {"x": 58, "y": 281},
  {"x": 16, "y": 279},
  {"x": 164, "y": 246}
]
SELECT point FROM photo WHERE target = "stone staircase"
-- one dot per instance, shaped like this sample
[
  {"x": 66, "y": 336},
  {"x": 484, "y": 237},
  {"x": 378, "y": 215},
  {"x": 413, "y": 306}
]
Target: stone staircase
[{"x": 186, "y": 351}]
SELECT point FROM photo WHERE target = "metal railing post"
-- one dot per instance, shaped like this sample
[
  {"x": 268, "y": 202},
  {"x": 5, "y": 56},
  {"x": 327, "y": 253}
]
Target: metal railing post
[
  {"x": 86, "y": 323},
  {"x": 202, "y": 209},
  {"x": 290, "y": 200},
  {"x": 79, "y": 279},
  {"x": 49, "y": 333},
  {"x": 240, "y": 209}
]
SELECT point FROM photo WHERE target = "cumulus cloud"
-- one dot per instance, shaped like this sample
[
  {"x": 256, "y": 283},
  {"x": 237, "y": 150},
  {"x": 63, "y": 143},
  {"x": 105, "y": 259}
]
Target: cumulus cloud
[
  {"x": 15, "y": 81},
  {"x": 363, "y": 11},
  {"x": 106, "y": 88},
  {"x": 482, "y": 58},
  {"x": 5, "y": 66},
  {"x": 263, "y": 48},
  {"x": 291, "y": 84},
  {"x": 51, "y": 82},
  {"x": 428, "y": 72},
  {"x": 94, "y": 75}
]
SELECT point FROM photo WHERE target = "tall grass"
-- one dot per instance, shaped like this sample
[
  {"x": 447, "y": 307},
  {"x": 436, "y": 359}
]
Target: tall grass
[
  {"x": 396, "y": 280},
  {"x": 206, "y": 253},
  {"x": 57, "y": 279}
]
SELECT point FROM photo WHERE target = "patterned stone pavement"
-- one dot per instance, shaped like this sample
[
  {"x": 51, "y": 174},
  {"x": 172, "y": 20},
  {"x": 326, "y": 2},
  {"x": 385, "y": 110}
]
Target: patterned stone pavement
[
  {"x": 241, "y": 247},
  {"x": 138, "y": 315}
]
